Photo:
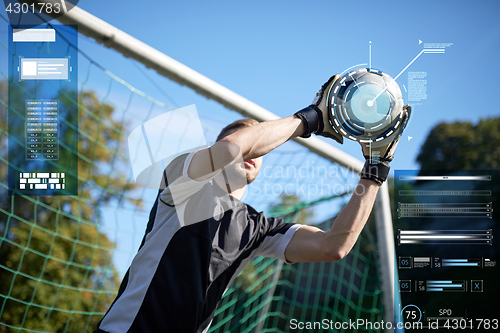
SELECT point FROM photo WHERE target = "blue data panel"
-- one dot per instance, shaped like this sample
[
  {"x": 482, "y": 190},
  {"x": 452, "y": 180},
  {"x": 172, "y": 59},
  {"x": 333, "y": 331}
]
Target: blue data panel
[
  {"x": 44, "y": 69},
  {"x": 43, "y": 110},
  {"x": 446, "y": 236}
]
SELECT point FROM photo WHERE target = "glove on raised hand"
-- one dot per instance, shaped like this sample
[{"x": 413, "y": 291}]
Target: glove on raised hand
[
  {"x": 316, "y": 116},
  {"x": 379, "y": 154}
]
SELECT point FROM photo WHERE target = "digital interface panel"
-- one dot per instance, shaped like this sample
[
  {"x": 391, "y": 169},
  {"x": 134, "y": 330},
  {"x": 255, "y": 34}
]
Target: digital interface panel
[
  {"x": 447, "y": 246},
  {"x": 43, "y": 111}
]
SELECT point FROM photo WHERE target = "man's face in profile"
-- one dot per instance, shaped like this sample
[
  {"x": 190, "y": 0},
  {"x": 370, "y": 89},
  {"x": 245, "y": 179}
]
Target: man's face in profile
[
  {"x": 241, "y": 173},
  {"x": 252, "y": 168}
]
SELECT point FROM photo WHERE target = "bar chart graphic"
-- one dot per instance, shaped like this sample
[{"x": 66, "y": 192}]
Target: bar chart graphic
[
  {"x": 461, "y": 263},
  {"x": 456, "y": 237},
  {"x": 445, "y": 210},
  {"x": 446, "y": 224},
  {"x": 445, "y": 285}
]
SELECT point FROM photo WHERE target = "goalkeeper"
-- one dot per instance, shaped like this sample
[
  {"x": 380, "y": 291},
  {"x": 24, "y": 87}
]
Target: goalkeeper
[{"x": 200, "y": 235}]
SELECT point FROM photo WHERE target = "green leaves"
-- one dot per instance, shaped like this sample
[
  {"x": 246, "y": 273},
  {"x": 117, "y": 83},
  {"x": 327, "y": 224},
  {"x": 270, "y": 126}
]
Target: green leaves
[
  {"x": 56, "y": 270},
  {"x": 462, "y": 145}
]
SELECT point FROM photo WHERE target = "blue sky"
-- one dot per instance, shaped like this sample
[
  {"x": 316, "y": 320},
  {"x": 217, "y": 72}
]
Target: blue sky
[{"x": 279, "y": 53}]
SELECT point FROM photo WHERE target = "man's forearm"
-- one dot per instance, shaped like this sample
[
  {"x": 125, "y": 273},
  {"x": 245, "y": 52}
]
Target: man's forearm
[
  {"x": 340, "y": 239},
  {"x": 260, "y": 139}
]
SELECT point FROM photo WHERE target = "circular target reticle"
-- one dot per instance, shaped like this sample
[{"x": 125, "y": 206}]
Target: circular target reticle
[{"x": 365, "y": 105}]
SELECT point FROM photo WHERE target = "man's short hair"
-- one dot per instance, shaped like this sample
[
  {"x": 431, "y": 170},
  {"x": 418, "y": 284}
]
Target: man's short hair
[{"x": 234, "y": 126}]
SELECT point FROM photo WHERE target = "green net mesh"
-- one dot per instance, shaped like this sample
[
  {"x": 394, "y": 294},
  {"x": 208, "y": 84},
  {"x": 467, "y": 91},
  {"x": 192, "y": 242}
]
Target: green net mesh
[{"x": 61, "y": 258}]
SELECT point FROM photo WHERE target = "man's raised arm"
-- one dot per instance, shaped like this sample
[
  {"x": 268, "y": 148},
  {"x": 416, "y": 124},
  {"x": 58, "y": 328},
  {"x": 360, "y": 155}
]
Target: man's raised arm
[
  {"x": 247, "y": 143},
  {"x": 310, "y": 244}
]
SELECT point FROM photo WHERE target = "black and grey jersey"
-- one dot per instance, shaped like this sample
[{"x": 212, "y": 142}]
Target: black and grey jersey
[{"x": 197, "y": 240}]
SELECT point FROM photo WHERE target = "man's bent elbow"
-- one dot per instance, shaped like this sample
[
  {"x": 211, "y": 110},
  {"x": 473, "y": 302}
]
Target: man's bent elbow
[
  {"x": 336, "y": 254},
  {"x": 335, "y": 247},
  {"x": 226, "y": 151}
]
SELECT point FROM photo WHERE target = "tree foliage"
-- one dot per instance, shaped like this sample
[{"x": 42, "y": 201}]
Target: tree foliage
[
  {"x": 291, "y": 204},
  {"x": 56, "y": 271},
  {"x": 462, "y": 146}
]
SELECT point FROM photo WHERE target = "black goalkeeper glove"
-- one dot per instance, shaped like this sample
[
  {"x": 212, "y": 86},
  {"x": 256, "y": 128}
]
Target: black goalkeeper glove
[
  {"x": 316, "y": 117},
  {"x": 379, "y": 154}
]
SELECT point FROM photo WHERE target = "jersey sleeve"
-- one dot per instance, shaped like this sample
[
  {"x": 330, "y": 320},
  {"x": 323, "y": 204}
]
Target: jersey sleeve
[
  {"x": 277, "y": 235},
  {"x": 177, "y": 185}
]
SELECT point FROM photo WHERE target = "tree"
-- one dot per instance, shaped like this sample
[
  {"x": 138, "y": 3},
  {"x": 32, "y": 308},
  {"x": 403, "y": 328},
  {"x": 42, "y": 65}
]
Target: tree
[
  {"x": 461, "y": 146},
  {"x": 291, "y": 204},
  {"x": 55, "y": 263}
]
